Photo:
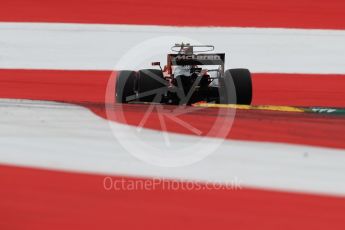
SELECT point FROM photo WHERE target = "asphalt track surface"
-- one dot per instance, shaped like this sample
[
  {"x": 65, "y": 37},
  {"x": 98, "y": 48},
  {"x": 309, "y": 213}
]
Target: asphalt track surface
[{"x": 47, "y": 199}]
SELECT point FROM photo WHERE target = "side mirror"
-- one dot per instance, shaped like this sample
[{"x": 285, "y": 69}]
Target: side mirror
[{"x": 155, "y": 63}]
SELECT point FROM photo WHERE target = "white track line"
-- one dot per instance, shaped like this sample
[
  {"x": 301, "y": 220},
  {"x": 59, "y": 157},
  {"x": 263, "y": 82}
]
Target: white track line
[
  {"x": 66, "y": 137},
  {"x": 100, "y": 47}
]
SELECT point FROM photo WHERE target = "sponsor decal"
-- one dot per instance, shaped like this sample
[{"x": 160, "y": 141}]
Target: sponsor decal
[{"x": 198, "y": 57}]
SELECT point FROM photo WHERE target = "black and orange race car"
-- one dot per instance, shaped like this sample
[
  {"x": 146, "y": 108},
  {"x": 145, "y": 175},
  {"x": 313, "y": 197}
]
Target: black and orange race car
[{"x": 192, "y": 74}]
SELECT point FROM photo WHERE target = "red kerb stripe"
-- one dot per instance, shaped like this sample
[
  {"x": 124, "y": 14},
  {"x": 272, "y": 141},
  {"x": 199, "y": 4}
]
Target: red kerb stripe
[{"x": 245, "y": 13}]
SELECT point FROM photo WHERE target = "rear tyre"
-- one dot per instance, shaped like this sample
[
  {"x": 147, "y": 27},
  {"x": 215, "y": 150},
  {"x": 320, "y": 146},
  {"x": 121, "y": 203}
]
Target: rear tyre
[
  {"x": 125, "y": 83},
  {"x": 242, "y": 84},
  {"x": 151, "y": 85}
]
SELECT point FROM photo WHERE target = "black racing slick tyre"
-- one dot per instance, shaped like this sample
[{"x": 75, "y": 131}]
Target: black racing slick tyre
[
  {"x": 125, "y": 83},
  {"x": 242, "y": 82},
  {"x": 151, "y": 85}
]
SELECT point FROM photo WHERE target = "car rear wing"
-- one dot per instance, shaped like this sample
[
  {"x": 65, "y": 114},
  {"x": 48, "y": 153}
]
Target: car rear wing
[{"x": 196, "y": 59}]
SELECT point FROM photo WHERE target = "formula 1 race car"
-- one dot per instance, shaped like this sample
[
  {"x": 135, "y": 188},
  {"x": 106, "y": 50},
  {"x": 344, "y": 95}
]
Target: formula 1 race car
[{"x": 189, "y": 77}]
